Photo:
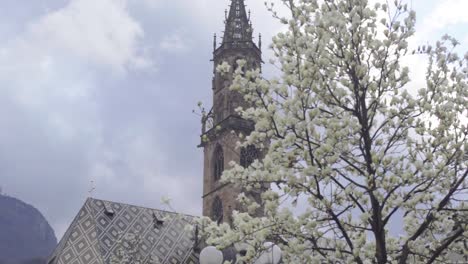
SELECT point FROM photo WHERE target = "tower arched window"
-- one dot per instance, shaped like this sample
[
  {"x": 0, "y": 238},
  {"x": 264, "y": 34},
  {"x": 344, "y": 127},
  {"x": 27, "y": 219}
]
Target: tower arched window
[
  {"x": 248, "y": 155},
  {"x": 218, "y": 158},
  {"x": 217, "y": 212}
]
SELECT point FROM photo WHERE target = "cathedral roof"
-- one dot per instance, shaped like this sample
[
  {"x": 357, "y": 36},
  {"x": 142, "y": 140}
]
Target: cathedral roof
[{"x": 93, "y": 237}]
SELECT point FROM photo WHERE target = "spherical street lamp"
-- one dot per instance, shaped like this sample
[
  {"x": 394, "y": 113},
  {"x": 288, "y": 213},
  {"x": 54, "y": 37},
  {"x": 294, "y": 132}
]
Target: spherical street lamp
[
  {"x": 271, "y": 255},
  {"x": 211, "y": 255}
]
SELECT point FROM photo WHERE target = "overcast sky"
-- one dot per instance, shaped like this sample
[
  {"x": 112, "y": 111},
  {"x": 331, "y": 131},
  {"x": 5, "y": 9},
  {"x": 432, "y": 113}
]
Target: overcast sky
[{"x": 103, "y": 91}]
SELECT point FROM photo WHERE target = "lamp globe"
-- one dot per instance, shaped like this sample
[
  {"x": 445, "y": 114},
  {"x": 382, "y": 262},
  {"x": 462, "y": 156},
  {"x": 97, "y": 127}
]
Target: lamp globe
[{"x": 211, "y": 255}]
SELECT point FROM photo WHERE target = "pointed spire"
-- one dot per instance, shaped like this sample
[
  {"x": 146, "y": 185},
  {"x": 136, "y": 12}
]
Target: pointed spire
[
  {"x": 214, "y": 42},
  {"x": 260, "y": 41},
  {"x": 238, "y": 26}
]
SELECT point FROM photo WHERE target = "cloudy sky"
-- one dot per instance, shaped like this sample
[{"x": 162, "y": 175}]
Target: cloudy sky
[{"x": 103, "y": 91}]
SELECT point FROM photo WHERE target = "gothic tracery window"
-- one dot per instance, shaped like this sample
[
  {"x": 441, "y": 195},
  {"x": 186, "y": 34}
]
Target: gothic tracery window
[
  {"x": 218, "y": 162},
  {"x": 248, "y": 156},
  {"x": 217, "y": 210}
]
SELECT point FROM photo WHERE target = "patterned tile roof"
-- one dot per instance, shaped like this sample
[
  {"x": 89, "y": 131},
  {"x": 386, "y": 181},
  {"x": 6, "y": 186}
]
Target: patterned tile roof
[{"x": 93, "y": 236}]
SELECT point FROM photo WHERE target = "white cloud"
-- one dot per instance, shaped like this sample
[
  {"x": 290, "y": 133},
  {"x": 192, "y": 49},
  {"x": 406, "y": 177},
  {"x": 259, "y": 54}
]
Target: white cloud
[
  {"x": 444, "y": 16},
  {"x": 54, "y": 64},
  {"x": 447, "y": 13},
  {"x": 152, "y": 3},
  {"x": 100, "y": 32},
  {"x": 175, "y": 42},
  {"x": 50, "y": 75}
]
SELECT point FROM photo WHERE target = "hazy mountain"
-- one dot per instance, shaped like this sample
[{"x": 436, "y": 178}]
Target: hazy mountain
[{"x": 25, "y": 235}]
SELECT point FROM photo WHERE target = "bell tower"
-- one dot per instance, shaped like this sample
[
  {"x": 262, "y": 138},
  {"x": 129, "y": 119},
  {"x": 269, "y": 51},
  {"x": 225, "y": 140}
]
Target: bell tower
[{"x": 218, "y": 139}]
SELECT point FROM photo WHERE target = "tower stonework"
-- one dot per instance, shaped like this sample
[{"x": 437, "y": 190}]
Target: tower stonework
[{"x": 220, "y": 136}]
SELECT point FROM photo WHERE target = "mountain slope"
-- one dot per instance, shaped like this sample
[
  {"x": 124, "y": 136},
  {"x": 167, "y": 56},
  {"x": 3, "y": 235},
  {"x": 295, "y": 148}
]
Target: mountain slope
[{"x": 24, "y": 232}]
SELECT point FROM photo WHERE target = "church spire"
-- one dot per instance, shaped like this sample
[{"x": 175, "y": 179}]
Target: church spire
[
  {"x": 238, "y": 25},
  {"x": 218, "y": 140}
]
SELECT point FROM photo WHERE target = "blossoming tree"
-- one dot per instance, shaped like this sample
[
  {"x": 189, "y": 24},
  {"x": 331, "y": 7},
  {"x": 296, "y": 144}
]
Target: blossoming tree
[{"x": 352, "y": 146}]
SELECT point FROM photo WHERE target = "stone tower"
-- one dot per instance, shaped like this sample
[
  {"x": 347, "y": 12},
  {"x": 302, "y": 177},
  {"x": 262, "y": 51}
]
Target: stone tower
[{"x": 218, "y": 139}]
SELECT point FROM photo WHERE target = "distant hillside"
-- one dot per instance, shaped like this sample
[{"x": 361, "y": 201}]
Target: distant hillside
[{"x": 25, "y": 235}]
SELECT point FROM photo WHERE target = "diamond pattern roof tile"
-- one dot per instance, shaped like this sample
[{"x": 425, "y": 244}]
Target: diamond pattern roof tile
[{"x": 94, "y": 233}]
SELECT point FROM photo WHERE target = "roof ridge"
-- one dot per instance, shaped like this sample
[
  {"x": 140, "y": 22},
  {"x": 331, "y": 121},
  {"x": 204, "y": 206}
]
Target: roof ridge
[
  {"x": 55, "y": 255},
  {"x": 143, "y": 207}
]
